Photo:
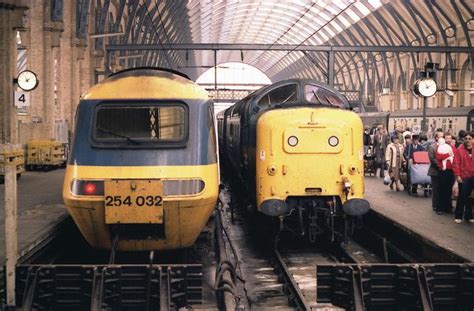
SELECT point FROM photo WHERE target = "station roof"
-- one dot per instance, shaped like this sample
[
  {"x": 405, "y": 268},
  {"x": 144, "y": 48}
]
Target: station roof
[{"x": 284, "y": 30}]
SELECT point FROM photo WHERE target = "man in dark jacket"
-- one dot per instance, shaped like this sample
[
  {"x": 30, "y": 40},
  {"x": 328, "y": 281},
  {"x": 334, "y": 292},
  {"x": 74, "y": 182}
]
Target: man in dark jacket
[
  {"x": 434, "y": 173},
  {"x": 461, "y": 136},
  {"x": 367, "y": 139},
  {"x": 381, "y": 140},
  {"x": 463, "y": 167},
  {"x": 412, "y": 146}
]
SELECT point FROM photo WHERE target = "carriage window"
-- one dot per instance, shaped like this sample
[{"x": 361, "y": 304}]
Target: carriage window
[
  {"x": 316, "y": 94},
  {"x": 137, "y": 124}
]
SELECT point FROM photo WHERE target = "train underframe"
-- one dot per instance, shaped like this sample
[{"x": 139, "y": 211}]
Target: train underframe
[{"x": 312, "y": 217}]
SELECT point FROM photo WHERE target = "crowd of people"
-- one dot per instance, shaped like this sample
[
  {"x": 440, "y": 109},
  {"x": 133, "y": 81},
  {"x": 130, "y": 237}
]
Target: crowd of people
[{"x": 451, "y": 166}]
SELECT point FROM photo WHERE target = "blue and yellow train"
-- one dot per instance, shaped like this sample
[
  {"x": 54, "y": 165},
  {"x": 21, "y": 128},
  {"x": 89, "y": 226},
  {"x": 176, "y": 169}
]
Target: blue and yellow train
[
  {"x": 143, "y": 165},
  {"x": 298, "y": 152}
]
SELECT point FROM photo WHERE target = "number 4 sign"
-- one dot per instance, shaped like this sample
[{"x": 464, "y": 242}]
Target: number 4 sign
[{"x": 22, "y": 99}]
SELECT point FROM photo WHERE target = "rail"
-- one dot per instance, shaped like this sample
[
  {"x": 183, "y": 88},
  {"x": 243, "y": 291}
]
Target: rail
[{"x": 295, "y": 294}]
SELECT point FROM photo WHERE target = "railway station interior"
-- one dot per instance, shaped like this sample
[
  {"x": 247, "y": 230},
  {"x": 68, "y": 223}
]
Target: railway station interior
[{"x": 236, "y": 155}]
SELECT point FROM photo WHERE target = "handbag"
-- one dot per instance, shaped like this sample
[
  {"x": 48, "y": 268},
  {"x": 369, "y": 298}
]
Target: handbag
[
  {"x": 387, "y": 179},
  {"x": 455, "y": 194}
]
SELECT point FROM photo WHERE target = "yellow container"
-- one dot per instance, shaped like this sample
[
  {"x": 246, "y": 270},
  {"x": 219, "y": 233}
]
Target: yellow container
[
  {"x": 12, "y": 154},
  {"x": 45, "y": 153}
]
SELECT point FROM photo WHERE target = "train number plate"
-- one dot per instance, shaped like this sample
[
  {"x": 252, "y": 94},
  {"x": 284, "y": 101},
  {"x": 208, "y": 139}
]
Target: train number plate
[{"x": 133, "y": 201}]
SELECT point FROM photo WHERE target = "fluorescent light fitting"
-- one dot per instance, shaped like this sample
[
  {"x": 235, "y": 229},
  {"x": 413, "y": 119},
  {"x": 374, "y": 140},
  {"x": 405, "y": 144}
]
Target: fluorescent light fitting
[
  {"x": 130, "y": 56},
  {"x": 110, "y": 34}
]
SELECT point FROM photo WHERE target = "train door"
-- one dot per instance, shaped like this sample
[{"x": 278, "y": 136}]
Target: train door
[
  {"x": 236, "y": 134},
  {"x": 244, "y": 133},
  {"x": 228, "y": 133}
]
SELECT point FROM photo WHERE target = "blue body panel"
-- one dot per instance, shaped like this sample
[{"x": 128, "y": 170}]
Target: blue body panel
[{"x": 200, "y": 148}]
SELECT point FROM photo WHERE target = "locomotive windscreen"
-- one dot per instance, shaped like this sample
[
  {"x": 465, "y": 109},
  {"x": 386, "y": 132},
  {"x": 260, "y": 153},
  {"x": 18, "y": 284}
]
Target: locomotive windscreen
[
  {"x": 137, "y": 124},
  {"x": 319, "y": 95}
]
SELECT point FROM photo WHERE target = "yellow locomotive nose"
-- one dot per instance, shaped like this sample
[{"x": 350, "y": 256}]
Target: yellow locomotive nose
[{"x": 319, "y": 149}]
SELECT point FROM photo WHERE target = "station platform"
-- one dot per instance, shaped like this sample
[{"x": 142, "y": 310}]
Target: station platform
[
  {"x": 416, "y": 215},
  {"x": 40, "y": 210}
]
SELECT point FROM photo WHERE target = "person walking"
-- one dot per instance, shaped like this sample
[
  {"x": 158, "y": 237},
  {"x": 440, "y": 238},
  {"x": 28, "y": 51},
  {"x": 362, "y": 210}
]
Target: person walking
[
  {"x": 381, "y": 140},
  {"x": 394, "y": 159},
  {"x": 445, "y": 157},
  {"x": 433, "y": 172},
  {"x": 463, "y": 167},
  {"x": 367, "y": 140}
]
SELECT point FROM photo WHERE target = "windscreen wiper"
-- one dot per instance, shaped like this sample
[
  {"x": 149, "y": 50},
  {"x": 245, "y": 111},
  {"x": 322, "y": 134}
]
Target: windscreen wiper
[
  {"x": 317, "y": 97},
  {"x": 288, "y": 98},
  {"x": 119, "y": 135}
]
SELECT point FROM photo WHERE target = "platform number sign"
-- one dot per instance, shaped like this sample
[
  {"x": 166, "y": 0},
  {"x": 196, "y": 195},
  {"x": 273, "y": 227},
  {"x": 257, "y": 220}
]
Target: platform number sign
[{"x": 22, "y": 99}]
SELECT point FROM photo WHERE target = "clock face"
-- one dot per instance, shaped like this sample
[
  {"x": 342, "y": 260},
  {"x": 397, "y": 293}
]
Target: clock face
[
  {"x": 427, "y": 87},
  {"x": 27, "y": 80}
]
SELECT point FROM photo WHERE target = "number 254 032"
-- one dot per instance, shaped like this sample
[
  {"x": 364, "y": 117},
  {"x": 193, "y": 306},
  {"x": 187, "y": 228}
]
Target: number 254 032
[{"x": 129, "y": 201}]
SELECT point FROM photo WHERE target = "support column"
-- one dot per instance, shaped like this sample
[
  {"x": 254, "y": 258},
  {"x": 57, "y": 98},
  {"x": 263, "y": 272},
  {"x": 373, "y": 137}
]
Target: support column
[
  {"x": 11, "y": 232},
  {"x": 43, "y": 37},
  {"x": 35, "y": 62},
  {"x": 10, "y": 19}
]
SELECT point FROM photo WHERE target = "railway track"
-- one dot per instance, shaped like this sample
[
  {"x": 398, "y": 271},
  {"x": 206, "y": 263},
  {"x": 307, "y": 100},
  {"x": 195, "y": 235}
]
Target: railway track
[
  {"x": 296, "y": 268},
  {"x": 295, "y": 294},
  {"x": 281, "y": 274},
  {"x": 64, "y": 272}
]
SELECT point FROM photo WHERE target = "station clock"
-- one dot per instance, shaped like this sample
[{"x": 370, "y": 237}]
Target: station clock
[
  {"x": 27, "y": 80},
  {"x": 425, "y": 87}
]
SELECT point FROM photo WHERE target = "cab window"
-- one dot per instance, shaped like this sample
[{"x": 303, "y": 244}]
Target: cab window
[
  {"x": 281, "y": 95},
  {"x": 135, "y": 124},
  {"x": 320, "y": 95}
]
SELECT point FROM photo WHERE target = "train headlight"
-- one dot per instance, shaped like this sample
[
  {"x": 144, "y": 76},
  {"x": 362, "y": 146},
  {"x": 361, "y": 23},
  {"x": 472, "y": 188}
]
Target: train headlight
[
  {"x": 292, "y": 141},
  {"x": 333, "y": 141}
]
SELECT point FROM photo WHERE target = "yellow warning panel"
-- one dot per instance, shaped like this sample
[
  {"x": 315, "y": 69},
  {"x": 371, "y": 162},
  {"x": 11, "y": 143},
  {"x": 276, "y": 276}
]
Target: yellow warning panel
[{"x": 133, "y": 201}]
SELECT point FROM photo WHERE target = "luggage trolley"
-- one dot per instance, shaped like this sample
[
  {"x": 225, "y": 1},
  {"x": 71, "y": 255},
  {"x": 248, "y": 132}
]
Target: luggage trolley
[{"x": 417, "y": 173}]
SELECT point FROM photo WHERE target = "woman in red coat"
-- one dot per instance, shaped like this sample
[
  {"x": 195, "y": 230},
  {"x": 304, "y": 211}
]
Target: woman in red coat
[{"x": 463, "y": 167}]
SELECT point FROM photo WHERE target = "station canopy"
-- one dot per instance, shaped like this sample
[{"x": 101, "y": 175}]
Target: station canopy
[{"x": 268, "y": 25}]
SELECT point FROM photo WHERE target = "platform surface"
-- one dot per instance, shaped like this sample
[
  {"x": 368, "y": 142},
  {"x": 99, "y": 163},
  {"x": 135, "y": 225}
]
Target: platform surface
[
  {"x": 416, "y": 214},
  {"x": 40, "y": 209}
]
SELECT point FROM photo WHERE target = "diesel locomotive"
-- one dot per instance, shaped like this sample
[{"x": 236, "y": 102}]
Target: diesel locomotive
[
  {"x": 142, "y": 172},
  {"x": 297, "y": 150}
]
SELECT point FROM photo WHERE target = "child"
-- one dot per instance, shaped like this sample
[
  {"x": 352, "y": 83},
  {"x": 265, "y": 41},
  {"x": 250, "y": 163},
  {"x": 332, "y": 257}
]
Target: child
[{"x": 445, "y": 149}]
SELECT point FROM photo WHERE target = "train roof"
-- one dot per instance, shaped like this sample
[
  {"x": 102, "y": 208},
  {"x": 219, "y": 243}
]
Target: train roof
[
  {"x": 433, "y": 112},
  {"x": 146, "y": 83},
  {"x": 276, "y": 85},
  {"x": 300, "y": 82}
]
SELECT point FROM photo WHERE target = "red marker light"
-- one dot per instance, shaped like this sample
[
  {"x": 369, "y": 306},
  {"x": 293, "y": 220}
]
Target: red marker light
[{"x": 90, "y": 188}]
